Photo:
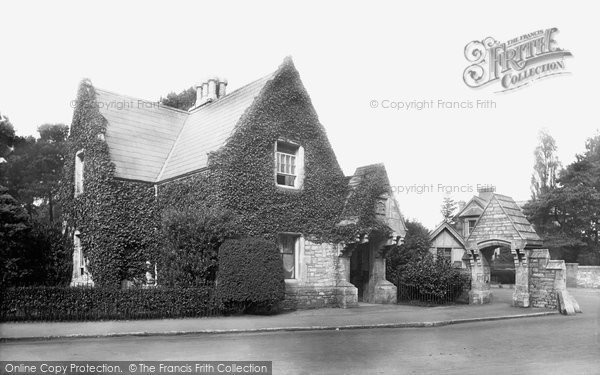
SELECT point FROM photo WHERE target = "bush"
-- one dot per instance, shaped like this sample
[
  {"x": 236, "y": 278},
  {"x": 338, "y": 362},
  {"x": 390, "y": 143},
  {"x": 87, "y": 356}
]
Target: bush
[
  {"x": 192, "y": 237},
  {"x": 433, "y": 278},
  {"x": 85, "y": 303},
  {"x": 250, "y": 277}
]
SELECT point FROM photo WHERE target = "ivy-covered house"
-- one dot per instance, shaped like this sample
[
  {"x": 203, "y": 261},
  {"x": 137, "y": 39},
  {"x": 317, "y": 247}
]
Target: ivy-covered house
[{"x": 259, "y": 153}]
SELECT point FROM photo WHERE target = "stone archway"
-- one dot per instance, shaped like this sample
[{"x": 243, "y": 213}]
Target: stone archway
[
  {"x": 479, "y": 264},
  {"x": 502, "y": 224}
]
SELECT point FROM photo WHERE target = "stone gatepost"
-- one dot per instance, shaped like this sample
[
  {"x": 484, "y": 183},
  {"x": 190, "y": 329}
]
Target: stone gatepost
[
  {"x": 521, "y": 294},
  {"x": 479, "y": 265},
  {"x": 346, "y": 292},
  {"x": 380, "y": 290}
]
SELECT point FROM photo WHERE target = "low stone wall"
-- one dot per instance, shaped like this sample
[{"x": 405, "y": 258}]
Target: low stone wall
[
  {"x": 314, "y": 297},
  {"x": 588, "y": 277}
]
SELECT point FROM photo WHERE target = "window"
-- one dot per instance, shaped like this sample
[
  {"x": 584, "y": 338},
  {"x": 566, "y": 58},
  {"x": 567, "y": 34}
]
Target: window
[
  {"x": 444, "y": 252},
  {"x": 380, "y": 207},
  {"x": 79, "y": 164},
  {"x": 288, "y": 164},
  {"x": 289, "y": 248},
  {"x": 471, "y": 225},
  {"x": 79, "y": 253}
]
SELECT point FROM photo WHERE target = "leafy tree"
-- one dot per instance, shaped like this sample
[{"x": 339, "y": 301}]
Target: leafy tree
[
  {"x": 14, "y": 234},
  {"x": 7, "y": 136},
  {"x": 416, "y": 246},
  {"x": 184, "y": 100},
  {"x": 448, "y": 208},
  {"x": 33, "y": 170},
  {"x": 546, "y": 165},
  {"x": 568, "y": 214}
]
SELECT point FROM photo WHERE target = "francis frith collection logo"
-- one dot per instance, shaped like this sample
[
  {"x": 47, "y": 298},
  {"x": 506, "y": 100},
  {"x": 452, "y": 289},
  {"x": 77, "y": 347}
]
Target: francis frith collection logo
[{"x": 514, "y": 63}]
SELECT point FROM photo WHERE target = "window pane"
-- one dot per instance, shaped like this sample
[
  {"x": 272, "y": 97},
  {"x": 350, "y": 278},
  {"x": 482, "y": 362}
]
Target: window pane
[{"x": 288, "y": 265}]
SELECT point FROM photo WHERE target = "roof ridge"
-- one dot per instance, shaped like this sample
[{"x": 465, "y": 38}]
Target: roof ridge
[
  {"x": 144, "y": 100},
  {"x": 224, "y": 98}
]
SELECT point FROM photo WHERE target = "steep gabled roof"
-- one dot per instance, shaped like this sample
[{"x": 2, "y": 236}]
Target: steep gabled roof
[
  {"x": 474, "y": 207},
  {"x": 152, "y": 142},
  {"x": 358, "y": 185},
  {"x": 502, "y": 219},
  {"x": 207, "y": 129},
  {"x": 140, "y": 134},
  {"x": 446, "y": 226}
]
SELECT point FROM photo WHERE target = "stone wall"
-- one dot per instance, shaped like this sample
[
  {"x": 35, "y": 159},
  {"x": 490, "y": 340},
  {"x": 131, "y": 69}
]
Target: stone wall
[
  {"x": 572, "y": 269},
  {"x": 588, "y": 277},
  {"x": 546, "y": 278},
  {"x": 322, "y": 279}
]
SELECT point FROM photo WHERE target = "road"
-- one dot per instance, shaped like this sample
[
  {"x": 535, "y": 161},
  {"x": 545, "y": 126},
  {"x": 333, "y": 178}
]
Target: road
[{"x": 542, "y": 345}]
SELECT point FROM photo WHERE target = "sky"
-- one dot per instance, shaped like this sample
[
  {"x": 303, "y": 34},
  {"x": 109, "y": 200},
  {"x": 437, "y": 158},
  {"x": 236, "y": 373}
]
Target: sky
[{"x": 352, "y": 56}]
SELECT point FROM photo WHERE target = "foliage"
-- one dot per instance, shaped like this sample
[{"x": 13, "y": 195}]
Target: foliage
[
  {"x": 545, "y": 169},
  {"x": 34, "y": 168},
  {"x": 415, "y": 247},
  {"x": 448, "y": 208},
  {"x": 250, "y": 276},
  {"x": 7, "y": 135},
  {"x": 184, "y": 100},
  {"x": 239, "y": 177},
  {"x": 15, "y": 227},
  {"x": 82, "y": 303},
  {"x": 432, "y": 277},
  {"x": 191, "y": 239},
  {"x": 118, "y": 220},
  {"x": 568, "y": 215},
  {"x": 31, "y": 253}
]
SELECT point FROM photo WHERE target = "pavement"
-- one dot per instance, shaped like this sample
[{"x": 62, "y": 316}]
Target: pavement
[{"x": 362, "y": 317}]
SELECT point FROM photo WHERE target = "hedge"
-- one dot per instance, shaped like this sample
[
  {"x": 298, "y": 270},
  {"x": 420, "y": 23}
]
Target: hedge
[
  {"x": 86, "y": 303},
  {"x": 250, "y": 277}
]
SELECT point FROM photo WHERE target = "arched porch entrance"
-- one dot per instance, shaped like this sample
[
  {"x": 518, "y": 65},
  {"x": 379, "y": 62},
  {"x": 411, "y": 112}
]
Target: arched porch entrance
[{"x": 480, "y": 260}]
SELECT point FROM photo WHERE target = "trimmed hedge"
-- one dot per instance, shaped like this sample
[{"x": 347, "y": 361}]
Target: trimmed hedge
[
  {"x": 250, "y": 277},
  {"x": 85, "y": 303}
]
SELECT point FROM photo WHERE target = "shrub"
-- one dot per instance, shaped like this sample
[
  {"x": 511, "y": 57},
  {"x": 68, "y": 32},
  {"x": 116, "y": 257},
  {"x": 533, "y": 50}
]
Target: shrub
[
  {"x": 250, "y": 277},
  {"x": 432, "y": 278},
  {"x": 191, "y": 239},
  {"x": 85, "y": 303}
]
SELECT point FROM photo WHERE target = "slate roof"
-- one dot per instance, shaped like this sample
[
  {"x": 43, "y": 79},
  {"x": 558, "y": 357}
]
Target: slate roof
[
  {"x": 151, "y": 142},
  {"x": 517, "y": 217},
  {"x": 503, "y": 219},
  {"x": 139, "y": 136}
]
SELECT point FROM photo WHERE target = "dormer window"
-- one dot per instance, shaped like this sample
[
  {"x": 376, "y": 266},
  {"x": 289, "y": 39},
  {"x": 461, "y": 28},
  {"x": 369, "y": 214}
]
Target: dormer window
[
  {"x": 79, "y": 164},
  {"x": 380, "y": 207},
  {"x": 289, "y": 164}
]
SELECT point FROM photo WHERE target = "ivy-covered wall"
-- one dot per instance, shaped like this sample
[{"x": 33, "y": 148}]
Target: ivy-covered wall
[
  {"x": 118, "y": 220},
  {"x": 240, "y": 176}
]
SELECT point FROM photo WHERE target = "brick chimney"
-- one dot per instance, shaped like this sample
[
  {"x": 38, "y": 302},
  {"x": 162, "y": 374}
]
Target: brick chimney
[
  {"x": 486, "y": 191},
  {"x": 210, "y": 90}
]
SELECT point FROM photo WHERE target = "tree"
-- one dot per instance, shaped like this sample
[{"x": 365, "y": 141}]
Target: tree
[
  {"x": 567, "y": 215},
  {"x": 545, "y": 166},
  {"x": 184, "y": 100},
  {"x": 7, "y": 136},
  {"x": 33, "y": 170},
  {"x": 416, "y": 246},
  {"x": 14, "y": 233},
  {"x": 448, "y": 208}
]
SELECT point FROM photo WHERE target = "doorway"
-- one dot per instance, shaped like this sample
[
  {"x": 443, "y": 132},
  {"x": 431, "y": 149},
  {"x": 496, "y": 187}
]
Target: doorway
[{"x": 359, "y": 270}]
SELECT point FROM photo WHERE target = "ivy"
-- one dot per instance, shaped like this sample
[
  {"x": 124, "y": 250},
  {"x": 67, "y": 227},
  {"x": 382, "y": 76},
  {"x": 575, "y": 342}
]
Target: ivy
[{"x": 118, "y": 220}]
